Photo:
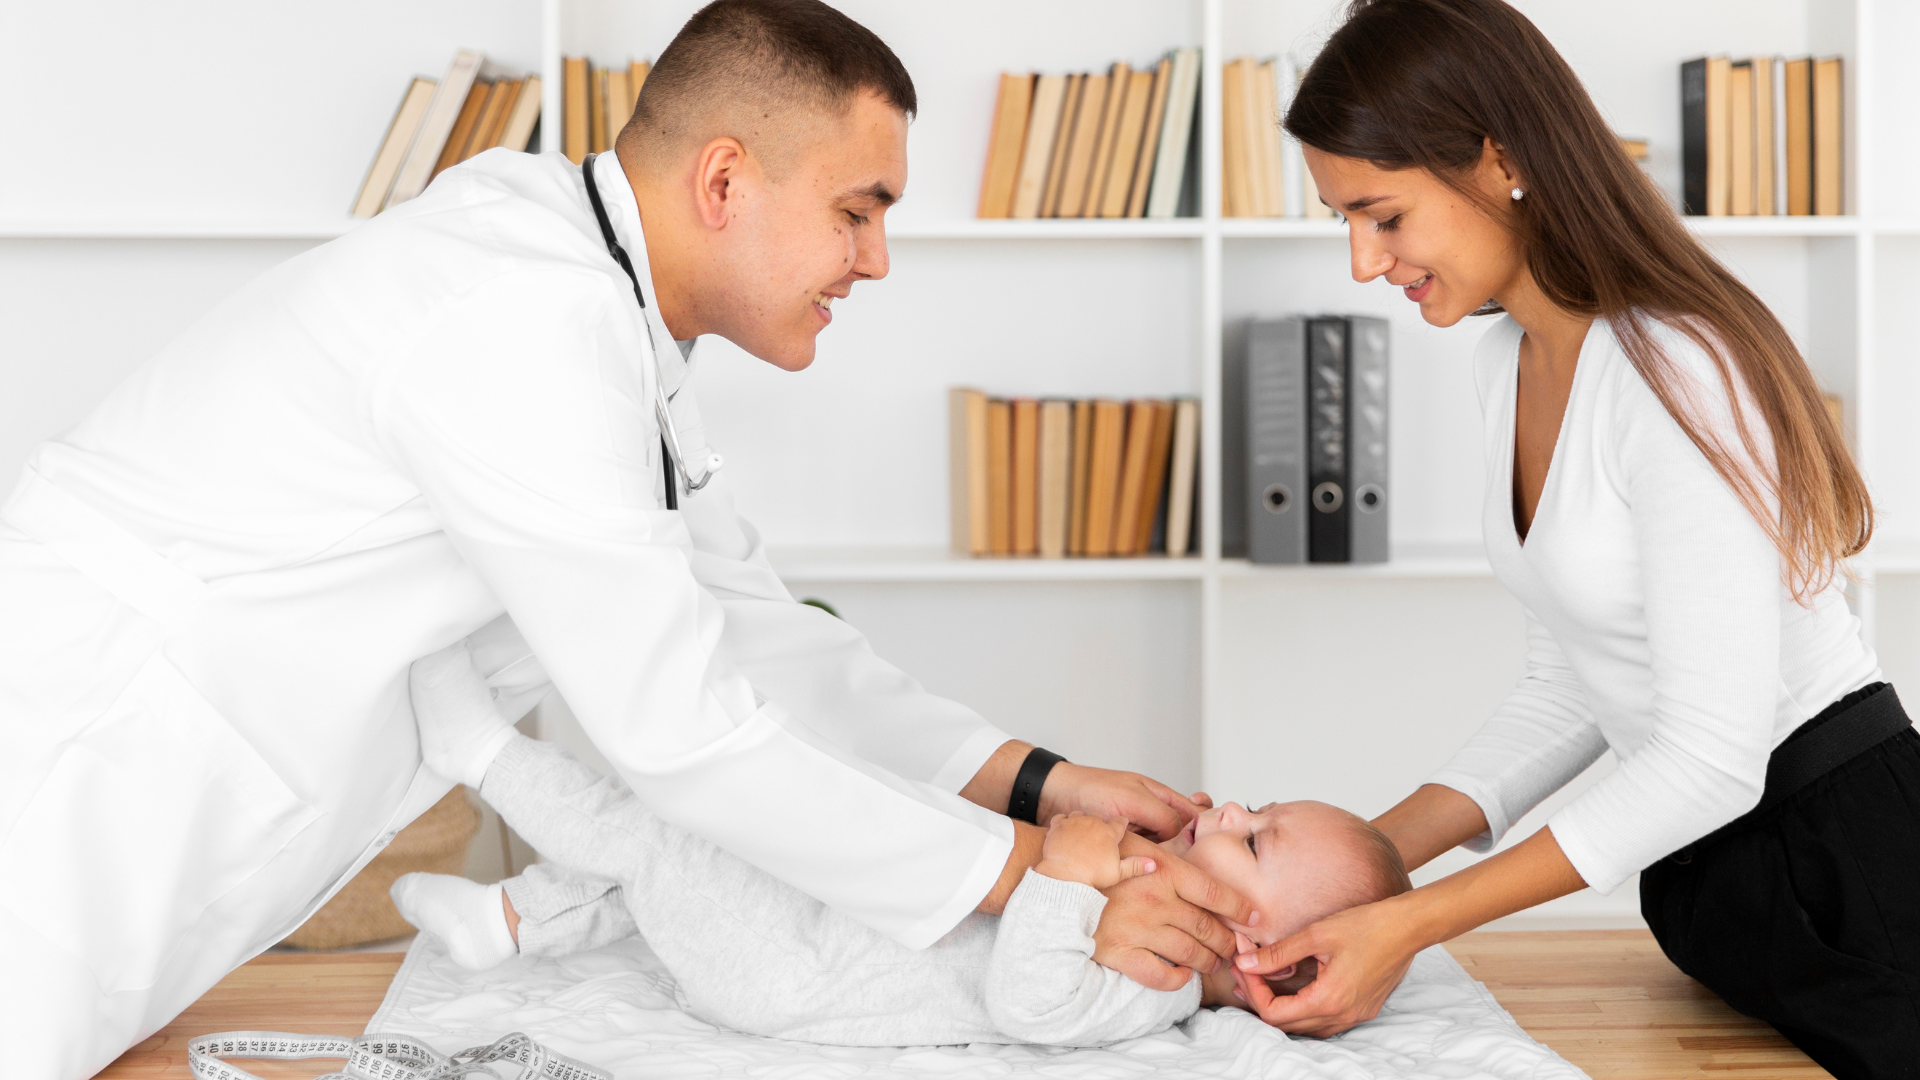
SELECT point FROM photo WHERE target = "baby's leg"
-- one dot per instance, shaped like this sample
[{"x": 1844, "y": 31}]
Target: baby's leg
[
  {"x": 570, "y": 813},
  {"x": 564, "y": 911}
]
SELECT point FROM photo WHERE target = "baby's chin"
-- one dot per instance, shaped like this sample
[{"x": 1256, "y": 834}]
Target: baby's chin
[{"x": 1181, "y": 843}]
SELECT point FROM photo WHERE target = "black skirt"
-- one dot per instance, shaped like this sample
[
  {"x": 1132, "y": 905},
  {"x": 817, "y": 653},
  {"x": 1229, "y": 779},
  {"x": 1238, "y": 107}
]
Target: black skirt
[{"x": 1805, "y": 913}]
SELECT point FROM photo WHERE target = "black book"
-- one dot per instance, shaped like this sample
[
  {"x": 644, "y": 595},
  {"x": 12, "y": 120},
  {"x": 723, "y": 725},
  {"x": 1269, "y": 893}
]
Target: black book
[
  {"x": 1693, "y": 136},
  {"x": 1329, "y": 398}
]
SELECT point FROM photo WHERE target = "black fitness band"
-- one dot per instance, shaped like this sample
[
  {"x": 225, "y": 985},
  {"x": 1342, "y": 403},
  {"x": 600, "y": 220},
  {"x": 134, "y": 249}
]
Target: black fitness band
[{"x": 1024, "y": 803}]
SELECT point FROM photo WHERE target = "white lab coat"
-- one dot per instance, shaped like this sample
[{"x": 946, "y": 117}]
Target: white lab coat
[{"x": 211, "y": 589}]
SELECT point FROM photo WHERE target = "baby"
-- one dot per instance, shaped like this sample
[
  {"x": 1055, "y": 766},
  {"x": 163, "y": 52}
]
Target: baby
[{"x": 750, "y": 952}]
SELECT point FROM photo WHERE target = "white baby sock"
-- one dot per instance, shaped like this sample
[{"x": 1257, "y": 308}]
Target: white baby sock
[
  {"x": 461, "y": 731},
  {"x": 465, "y": 914}
]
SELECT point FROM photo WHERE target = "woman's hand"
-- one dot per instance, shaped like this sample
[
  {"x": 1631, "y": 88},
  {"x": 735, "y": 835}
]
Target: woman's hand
[
  {"x": 1151, "y": 806},
  {"x": 1362, "y": 953},
  {"x": 1157, "y": 928}
]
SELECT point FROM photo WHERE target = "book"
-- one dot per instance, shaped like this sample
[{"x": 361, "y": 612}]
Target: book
[
  {"x": 493, "y": 117},
  {"x": 1236, "y": 200},
  {"x": 1126, "y": 145},
  {"x": 1740, "y": 163},
  {"x": 575, "y": 142},
  {"x": 1329, "y": 533},
  {"x": 393, "y": 148},
  {"x": 1293, "y": 166},
  {"x": 1311, "y": 205},
  {"x": 1797, "y": 89},
  {"x": 619, "y": 104},
  {"x": 967, "y": 470},
  {"x": 1367, "y": 363},
  {"x": 637, "y": 72},
  {"x": 597, "y": 110},
  {"x": 1024, "y": 488},
  {"x": 1087, "y": 121},
  {"x": 442, "y": 112},
  {"x": 1275, "y": 441},
  {"x": 1103, "y": 475},
  {"x": 1133, "y": 478},
  {"x": 1009, "y": 134},
  {"x": 1764, "y": 150},
  {"x": 1827, "y": 170},
  {"x": 1175, "y": 131},
  {"x": 1119, "y": 84},
  {"x": 1779, "y": 136},
  {"x": 1267, "y": 101},
  {"x": 1705, "y": 136},
  {"x": 517, "y": 132},
  {"x": 1062, "y": 137},
  {"x": 1154, "y": 490},
  {"x": 1082, "y": 475},
  {"x": 1055, "y": 468},
  {"x": 1036, "y": 153},
  {"x": 463, "y": 125},
  {"x": 1150, "y": 140},
  {"x": 1183, "y": 475},
  {"x": 999, "y": 477}
]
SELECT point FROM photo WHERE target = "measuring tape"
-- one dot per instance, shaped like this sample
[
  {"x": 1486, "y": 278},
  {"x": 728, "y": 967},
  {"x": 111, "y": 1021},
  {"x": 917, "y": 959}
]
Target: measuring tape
[{"x": 382, "y": 1057}]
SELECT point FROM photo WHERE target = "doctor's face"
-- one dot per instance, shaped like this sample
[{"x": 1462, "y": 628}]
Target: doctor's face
[{"x": 814, "y": 230}]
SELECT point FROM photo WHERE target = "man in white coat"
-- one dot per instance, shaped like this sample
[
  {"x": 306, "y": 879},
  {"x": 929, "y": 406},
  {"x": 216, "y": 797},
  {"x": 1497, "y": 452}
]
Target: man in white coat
[{"x": 211, "y": 589}]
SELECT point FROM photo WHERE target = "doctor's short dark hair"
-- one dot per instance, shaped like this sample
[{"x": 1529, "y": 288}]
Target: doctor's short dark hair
[{"x": 743, "y": 62}]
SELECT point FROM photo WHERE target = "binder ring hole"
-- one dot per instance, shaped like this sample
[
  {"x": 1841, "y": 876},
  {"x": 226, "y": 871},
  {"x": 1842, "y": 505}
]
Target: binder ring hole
[
  {"x": 1277, "y": 498},
  {"x": 1327, "y": 497},
  {"x": 1370, "y": 498}
]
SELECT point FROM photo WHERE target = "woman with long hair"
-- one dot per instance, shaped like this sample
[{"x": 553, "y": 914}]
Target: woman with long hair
[{"x": 1670, "y": 502}]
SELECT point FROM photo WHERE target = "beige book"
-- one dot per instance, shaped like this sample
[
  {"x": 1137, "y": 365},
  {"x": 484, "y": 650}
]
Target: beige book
[
  {"x": 1157, "y": 449},
  {"x": 1267, "y": 98},
  {"x": 435, "y": 128},
  {"x": 1103, "y": 474},
  {"x": 1056, "y": 462},
  {"x": 1250, "y": 114},
  {"x": 637, "y": 73},
  {"x": 1799, "y": 98},
  {"x": 1025, "y": 485},
  {"x": 1062, "y": 138},
  {"x": 1086, "y": 135},
  {"x": 1119, "y": 82},
  {"x": 967, "y": 470},
  {"x": 1133, "y": 477},
  {"x": 1010, "y": 112},
  {"x": 1183, "y": 475},
  {"x": 517, "y": 132},
  {"x": 619, "y": 104},
  {"x": 999, "y": 478},
  {"x": 1081, "y": 479},
  {"x": 1827, "y": 145},
  {"x": 1740, "y": 138},
  {"x": 1764, "y": 149},
  {"x": 493, "y": 118},
  {"x": 577, "y": 143},
  {"x": 1235, "y": 196},
  {"x": 470, "y": 111},
  {"x": 597, "y": 110},
  {"x": 1149, "y": 153},
  {"x": 393, "y": 148},
  {"x": 1040, "y": 129},
  {"x": 1719, "y": 138},
  {"x": 1126, "y": 146}
]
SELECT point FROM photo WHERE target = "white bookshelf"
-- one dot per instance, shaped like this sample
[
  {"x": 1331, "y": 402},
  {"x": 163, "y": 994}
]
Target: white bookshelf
[{"x": 1254, "y": 681}]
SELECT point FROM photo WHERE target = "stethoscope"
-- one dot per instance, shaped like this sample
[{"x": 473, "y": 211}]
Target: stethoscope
[{"x": 669, "y": 434}]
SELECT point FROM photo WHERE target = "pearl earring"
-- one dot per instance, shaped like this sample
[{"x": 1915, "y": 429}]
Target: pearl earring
[{"x": 1518, "y": 194}]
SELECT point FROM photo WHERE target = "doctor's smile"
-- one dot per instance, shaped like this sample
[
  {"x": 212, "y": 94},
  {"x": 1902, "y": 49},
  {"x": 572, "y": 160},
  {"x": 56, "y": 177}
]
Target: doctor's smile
[{"x": 298, "y": 577}]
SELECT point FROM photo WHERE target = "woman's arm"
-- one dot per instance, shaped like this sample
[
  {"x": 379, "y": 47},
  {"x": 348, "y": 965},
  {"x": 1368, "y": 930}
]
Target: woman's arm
[
  {"x": 1364, "y": 951},
  {"x": 1430, "y": 821}
]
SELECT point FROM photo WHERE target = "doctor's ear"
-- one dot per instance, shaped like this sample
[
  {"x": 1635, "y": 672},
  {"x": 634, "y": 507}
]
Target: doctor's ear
[{"x": 717, "y": 173}]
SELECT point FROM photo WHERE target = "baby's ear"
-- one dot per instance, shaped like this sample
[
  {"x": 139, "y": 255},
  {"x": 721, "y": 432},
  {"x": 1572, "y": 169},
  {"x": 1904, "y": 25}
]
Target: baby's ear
[{"x": 1302, "y": 974}]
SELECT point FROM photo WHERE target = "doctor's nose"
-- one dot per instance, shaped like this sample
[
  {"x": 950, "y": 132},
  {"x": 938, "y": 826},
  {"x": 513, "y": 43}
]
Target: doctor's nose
[{"x": 1371, "y": 258}]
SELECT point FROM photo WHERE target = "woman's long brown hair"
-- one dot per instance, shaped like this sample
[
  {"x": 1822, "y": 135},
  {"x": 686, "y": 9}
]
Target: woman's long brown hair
[{"x": 1424, "y": 83}]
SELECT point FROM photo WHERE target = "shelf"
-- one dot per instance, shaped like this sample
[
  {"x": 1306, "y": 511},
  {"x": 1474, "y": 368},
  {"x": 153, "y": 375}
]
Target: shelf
[
  {"x": 937, "y": 564},
  {"x": 1774, "y": 226},
  {"x": 1049, "y": 229},
  {"x": 278, "y": 229},
  {"x": 1408, "y": 561}
]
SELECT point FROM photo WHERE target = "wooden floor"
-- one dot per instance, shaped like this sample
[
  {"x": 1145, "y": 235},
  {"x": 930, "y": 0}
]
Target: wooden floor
[{"x": 1605, "y": 999}]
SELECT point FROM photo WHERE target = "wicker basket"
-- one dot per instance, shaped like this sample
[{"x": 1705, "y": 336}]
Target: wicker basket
[{"x": 363, "y": 912}]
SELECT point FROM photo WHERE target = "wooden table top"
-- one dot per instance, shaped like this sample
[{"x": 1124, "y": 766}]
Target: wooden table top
[{"x": 1607, "y": 1000}]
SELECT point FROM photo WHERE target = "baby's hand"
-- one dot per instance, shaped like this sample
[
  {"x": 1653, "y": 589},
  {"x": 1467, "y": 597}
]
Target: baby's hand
[{"x": 1086, "y": 849}]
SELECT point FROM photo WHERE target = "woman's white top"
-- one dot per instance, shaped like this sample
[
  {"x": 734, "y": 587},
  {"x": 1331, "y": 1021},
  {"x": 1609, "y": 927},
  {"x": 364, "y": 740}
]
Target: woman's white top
[{"x": 1658, "y": 623}]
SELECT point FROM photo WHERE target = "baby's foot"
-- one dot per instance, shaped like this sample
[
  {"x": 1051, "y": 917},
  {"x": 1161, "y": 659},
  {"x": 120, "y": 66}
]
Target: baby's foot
[{"x": 467, "y": 915}]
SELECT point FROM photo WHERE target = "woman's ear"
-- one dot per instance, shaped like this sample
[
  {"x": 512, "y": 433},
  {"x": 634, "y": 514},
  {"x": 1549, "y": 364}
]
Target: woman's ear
[{"x": 1496, "y": 170}]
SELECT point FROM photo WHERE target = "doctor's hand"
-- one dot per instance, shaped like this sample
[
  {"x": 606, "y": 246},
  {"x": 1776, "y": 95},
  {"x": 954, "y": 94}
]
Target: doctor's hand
[
  {"x": 1158, "y": 927},
  {"x": 1152, "y": 807},
  {"x": 1362, "y": 953}
]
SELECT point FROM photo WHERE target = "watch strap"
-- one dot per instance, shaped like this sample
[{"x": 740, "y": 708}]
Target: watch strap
[{"x": 1024, "y": 803}]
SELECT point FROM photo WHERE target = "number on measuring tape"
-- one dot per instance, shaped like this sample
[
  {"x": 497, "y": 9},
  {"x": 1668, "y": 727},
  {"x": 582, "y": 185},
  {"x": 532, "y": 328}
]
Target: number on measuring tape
[{"x": 383, "y": 1057}]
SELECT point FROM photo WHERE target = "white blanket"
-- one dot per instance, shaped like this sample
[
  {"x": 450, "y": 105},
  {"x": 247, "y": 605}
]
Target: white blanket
[{"x": 616, "y": 1008}]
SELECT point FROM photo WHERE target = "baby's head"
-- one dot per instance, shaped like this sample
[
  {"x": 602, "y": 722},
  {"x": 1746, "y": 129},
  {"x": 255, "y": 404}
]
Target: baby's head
[{"x": 1298, "y": 862}]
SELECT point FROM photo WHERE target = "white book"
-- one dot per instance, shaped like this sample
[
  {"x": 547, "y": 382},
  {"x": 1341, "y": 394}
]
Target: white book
[
  {"x": 1176, "y": 128},
  {"x": 1292, "y": 166},
  {"x": 1779, "y": 162},
  {"x": 1310, "y": 204},
  {"x": 1181, "y": 475},
  {"x": 438, "y": 125}
]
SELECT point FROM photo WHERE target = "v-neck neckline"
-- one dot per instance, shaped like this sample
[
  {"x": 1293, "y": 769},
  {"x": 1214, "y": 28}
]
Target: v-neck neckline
[{"x": 1559, "y": 442}]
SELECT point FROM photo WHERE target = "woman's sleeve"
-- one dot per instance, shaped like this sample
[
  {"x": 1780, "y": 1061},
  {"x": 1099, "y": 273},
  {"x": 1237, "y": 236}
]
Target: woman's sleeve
[
  {"x": 1711, "y": 583},
  {"x": 522, "y": 416},
  {"x": 1541, "y": 737}
]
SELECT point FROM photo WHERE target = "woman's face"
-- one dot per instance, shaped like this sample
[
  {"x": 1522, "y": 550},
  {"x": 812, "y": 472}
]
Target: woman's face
[{"x": 1406, "y": 225}]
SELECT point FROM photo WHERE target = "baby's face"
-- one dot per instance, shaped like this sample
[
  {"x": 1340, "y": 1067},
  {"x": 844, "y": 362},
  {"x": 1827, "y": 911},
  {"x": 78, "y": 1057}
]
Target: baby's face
[{"x": 1284, "y": 857}]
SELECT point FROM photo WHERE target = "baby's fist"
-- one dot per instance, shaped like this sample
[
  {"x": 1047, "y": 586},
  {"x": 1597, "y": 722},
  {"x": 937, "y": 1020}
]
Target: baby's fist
[{"x": 1086, "y": 849}]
